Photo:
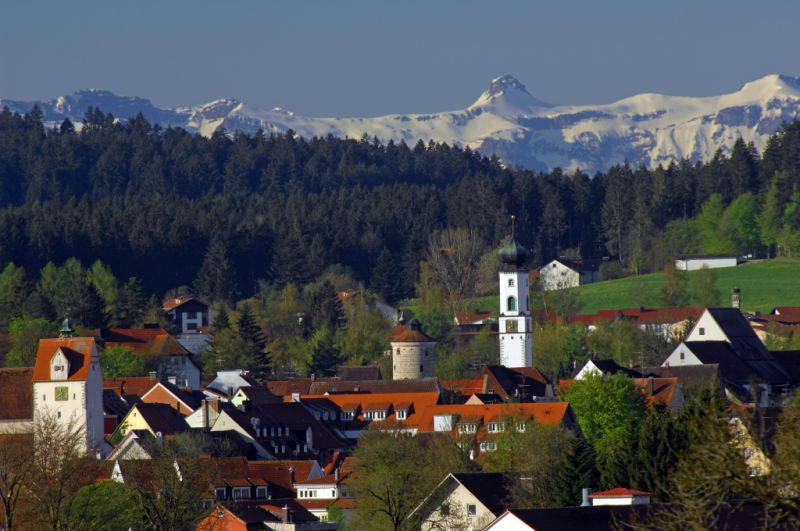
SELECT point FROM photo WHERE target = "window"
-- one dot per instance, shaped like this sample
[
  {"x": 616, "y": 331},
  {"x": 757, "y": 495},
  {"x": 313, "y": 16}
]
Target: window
[
  {"x": 348, "y": 415},
  {"x": 241, "y": 493},
  {"x": 753, "y": 471},
  {"x": 702, "y": 331},
  {"x": 472, "y": 509},
  {"x": 488, "y": 446},
  {"x": 261, "y": 492},
  {"x": 401, "y": 414},
  {"x": 398, "y": 351},
  {"x": 495, "y": 427},
  {"x": 748, "y": 453},
  {"x": 421, "y": 368},
  {"x": 219, "y": 493},
  {"x": 467, "y": 428},
  {"x": 683, "y": 356},
  {"x": 511, "y": 304},
  {"x": 520, "y": 427},
  {"x": 510, "y": 282}
]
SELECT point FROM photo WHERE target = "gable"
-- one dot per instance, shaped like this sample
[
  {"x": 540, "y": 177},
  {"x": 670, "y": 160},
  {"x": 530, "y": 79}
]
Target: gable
[
  {"x": 682, "y": 355},
  {"x": 79, "y": 351}
]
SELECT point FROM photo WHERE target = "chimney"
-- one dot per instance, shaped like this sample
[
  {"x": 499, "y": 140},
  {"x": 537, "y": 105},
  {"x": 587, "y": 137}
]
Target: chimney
[
  {"x": 649, "y": 386},
  {"x": 336, "y": 474},
  {"x": 485, "y": 386},
  {"x": 586, "y": 501},
  {"x": 285, "y": 514},
  {"x": 291, "y": 475},
  {"x": 122, "y": 388},
  {"x": 152, "y": 375},
  {"x": 736, "y": 298}
]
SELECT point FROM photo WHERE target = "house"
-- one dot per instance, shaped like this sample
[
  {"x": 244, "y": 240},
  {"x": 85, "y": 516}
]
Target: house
[
  {"x": 564, "y": 273},
  {"x": 605, "y": 518},
  {"x": 464, "y": 501},
  {"x": 693, "y": 262},
  {"x": 323, "y": 386},
  {"x": 160, "y": 420},
  {"x": 353, "y": 413},
  {"x": 359, "y": 372},
  {"x": 226, "y": 383},
  {"x": 68, "y": 386},
  {"x": 183, "y": 401},
  {"x": 193, "y": 318},
  {"x": 781, "y": 321},
  {"x": 281, "y": 430},
  {"x": 473, "y": 318},
  {"x": 723, "y": 336},
  {"x": 173, "y": 361},
  {"x": 602, "y": 368},
  {"x": 319, "y": 494},
  {"x": 520, "y": 384},
  {"x": 16, "y": 397},
  {"x": 135, "y": 444},
  {"x": 667, "y": 322},
  {"x": 620, "y": 496},
  {"x": 273, "y": 514},
  {"x": 476, "y": 427}
]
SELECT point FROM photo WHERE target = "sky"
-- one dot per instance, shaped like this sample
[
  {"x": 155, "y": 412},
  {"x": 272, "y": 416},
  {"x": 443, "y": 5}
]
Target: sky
[{"x": 368, "y": 58}]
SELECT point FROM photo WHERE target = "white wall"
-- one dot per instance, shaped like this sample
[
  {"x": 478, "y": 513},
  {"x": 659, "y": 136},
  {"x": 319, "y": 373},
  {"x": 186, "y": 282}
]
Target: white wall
[
  {"x": 698, "y": 263},
  {"x": 681, "y": 356},
  {"x": 458, "y": 498},
  {"x": 556, "y": 275},
  {"x": 706, "y": 329}
]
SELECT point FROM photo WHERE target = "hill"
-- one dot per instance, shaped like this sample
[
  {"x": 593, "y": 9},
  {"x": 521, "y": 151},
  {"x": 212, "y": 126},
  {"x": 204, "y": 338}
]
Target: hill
[{"x": 763, "y": 284}]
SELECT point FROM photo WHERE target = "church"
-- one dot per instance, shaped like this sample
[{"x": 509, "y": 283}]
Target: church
[{"x": 515, "y": 332}]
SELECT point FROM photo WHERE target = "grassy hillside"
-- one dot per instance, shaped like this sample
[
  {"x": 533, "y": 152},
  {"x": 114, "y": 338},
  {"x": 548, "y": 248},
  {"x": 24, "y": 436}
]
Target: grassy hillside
[{"x": 764, "y": 285}]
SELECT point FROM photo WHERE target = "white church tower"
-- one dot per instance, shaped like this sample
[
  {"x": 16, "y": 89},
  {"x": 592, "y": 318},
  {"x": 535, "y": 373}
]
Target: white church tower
[
  {"x": 68, "y": 386},
  {"x": 515, "y": 333}
]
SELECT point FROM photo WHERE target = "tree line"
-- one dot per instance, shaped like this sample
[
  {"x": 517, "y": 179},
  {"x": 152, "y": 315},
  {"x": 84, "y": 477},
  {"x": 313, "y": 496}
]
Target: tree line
[{"x": 173, "y": 208}]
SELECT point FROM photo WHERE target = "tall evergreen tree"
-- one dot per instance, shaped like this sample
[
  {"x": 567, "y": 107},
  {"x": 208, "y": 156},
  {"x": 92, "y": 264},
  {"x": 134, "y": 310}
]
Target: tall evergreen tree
[
  {"x": 325, "y": 355},
  {"x": 216, "y": 280},
  {"x": 579, "y": 472},
  {"x": 385, "y": 278},
  {"x": 131, "y": 304},
  {"x": 253, "y": 336}
]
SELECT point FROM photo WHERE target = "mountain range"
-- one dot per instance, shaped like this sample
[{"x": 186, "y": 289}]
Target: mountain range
[{"x": 506, "y": 120}]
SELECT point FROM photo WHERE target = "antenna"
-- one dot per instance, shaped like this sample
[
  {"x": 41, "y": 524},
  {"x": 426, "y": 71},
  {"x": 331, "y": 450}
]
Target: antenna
[{"x": 513, "y": 228}]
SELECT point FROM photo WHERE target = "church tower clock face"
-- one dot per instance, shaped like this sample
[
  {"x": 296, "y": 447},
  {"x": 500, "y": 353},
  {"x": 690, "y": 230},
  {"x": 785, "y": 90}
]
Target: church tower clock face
[{"x": 511, "y": 325}]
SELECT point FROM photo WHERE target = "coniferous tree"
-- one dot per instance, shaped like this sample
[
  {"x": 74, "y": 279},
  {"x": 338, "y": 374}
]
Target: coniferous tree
[
  {"x": 579, "y": 472},
  {"x": 253, "y": 336},
  {"x": 325, "y": 355},
  {"x": 131, "y": 304},
  {"x": 221, "y": 320},
  {"x": 385, "y": 277},
  {"x": 216, "y": 280},
  {"x": 326, "y": 308}
]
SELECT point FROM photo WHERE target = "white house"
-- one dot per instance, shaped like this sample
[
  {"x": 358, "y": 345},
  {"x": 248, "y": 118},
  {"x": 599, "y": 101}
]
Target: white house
[
  {"x": 693, "y": 262},
  {"x": 620, "y": 496},
  {"x": 464, "y": 501},
  {"x": 68, "y": 386},
  {"x": 562, "y": 273},
  {"x": 193, "y": 318}
]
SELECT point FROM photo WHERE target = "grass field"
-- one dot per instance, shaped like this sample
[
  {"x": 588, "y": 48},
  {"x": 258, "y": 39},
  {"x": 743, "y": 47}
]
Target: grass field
[{"x": 763, "y": 285}]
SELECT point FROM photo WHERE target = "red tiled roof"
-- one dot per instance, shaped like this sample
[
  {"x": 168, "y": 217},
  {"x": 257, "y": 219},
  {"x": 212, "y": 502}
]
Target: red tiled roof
[
  {"x": 78, "y": 351},
  {"x": 619, "y": 492},
  {"x": 277, "y": 472},
  {"x": 472, "y": 316},
  {"x": 466, "y": 386},
  {"x": 787, "y": 311},
  {"x": 330, "y": 479},
  {"x": 130, "y": 385},
  {"x": 171, "y": 304},
  {"x": 411, "y": 336},
  {"x": 666, "y": 315},
  {"x": 552, "y": 413},
  {"x": 351, "y": 402},
  {"x": 145, "y": 341},
  {"x": 16, "y": 393}
]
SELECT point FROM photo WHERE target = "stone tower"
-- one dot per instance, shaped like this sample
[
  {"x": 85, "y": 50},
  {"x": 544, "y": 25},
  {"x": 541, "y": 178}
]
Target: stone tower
[
  {"x": 413, "y": 354},
  {"x": 515, "y": 333}
]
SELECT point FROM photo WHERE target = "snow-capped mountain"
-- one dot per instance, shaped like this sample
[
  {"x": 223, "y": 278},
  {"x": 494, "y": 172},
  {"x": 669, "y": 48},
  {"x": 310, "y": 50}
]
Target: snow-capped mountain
[{"x": 507, "y": 121}]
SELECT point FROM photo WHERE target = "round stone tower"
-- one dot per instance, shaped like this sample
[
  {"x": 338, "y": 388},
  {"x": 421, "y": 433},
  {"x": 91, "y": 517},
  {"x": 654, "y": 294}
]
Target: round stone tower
[{"x": 413, "y": 353}]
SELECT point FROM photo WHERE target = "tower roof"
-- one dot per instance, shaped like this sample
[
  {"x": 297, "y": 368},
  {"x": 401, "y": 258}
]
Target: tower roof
[
  {"x": 413, "y": 334},
  {"x": 513, "y": 253}
]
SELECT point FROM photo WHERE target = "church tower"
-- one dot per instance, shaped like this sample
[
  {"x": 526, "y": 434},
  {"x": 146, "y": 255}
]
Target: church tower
[{"x": 515, "y": 335}]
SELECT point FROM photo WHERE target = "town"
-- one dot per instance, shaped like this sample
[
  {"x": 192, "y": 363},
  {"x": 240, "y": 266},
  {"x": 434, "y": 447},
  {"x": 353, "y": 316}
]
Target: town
[{"x": 391, "y": 445}]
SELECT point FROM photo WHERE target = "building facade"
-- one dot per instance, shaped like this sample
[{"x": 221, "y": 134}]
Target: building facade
[{"x": 515, "y": 333}]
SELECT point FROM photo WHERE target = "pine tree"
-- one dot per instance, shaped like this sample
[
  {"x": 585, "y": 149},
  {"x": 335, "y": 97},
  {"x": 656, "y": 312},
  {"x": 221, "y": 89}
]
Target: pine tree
[
  {"x": 385, "y": 277},
  {"x": 580, "y": 472},
  {"x": 325, "y": 355},
  {"x": 221, "y": 320},
  {"x": 253, "y": 336},
  {"x": 326, "y": 308},
  {"x": 131, "y": 304},
  {"x": 216, "y": 280}
]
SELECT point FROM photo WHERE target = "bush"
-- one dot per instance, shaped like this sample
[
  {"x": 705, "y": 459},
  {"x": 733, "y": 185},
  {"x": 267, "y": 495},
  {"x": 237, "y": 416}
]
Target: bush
[{"x": 610, "y": 270}]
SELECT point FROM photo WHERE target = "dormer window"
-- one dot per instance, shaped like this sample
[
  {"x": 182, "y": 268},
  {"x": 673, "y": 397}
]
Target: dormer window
[
  {"x": 495, "y": 427},
  {"x": 521, "y": 427},
  {"x": 348, "y": 415},
  {"x": 401, "y": 414},
  {"x": 467, "y": 428}
]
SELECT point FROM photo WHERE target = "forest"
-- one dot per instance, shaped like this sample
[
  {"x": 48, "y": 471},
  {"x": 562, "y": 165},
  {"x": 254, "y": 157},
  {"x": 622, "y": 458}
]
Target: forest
[{"x": 154, "y": 204}]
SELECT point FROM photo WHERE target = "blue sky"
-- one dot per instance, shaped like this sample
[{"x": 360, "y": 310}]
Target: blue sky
[{"x": 364, "y": 58}]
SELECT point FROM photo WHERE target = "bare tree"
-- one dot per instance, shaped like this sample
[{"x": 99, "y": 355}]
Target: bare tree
[
  {"x": 16, "y": 460},
  {"x": 454, "y": 256},
  {"x": 58, "y": 470}
]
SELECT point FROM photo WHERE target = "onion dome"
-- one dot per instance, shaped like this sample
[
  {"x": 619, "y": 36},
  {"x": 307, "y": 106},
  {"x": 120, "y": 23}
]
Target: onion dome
[
  {"x": 513, "y": 254},
  {"x": 66, "y": 328}
]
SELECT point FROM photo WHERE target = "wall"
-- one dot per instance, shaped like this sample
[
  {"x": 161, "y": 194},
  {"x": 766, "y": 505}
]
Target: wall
[
  {"x": 556, "y": 275},
  {"x": 406, "y": 364},
  {"x": 699, "y": 263},
  {"x": 71, "y": 410},
  {"x": 457, "y": 497}
]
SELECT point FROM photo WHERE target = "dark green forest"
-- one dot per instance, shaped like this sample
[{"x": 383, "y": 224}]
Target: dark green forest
[{"x": 157, "y": 203}]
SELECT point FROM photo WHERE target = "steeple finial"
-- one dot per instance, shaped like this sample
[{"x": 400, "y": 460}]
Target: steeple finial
[
  {"x": 513, "y": 227},
  {"x": 66, "y": 329}
]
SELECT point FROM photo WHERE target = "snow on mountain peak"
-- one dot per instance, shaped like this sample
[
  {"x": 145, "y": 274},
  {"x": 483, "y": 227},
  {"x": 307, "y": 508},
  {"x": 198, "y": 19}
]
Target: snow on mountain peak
[
  {"x": 507, "y": 95},
  {"x": 772, "y": 85}
]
